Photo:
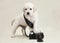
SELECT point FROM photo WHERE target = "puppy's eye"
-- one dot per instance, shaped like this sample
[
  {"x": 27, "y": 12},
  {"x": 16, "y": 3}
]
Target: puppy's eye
[
  {"x": 30, "y": 8},
  {"x": 25, "y": 8}
]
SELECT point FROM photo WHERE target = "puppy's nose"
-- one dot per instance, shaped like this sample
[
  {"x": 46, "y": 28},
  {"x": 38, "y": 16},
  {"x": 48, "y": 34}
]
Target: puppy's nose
[{"x": 28, "y": 13}]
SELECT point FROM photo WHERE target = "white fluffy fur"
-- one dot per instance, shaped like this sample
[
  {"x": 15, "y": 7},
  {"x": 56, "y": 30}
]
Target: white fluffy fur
[{"x": 19, "y": 20}]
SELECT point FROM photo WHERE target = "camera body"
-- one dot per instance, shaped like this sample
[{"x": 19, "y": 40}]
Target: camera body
[{"x": 38, "y": 36}]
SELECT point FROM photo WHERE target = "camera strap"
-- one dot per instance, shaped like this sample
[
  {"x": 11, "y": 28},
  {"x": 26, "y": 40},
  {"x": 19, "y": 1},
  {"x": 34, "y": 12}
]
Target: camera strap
[{"x": 30, "y": 24}]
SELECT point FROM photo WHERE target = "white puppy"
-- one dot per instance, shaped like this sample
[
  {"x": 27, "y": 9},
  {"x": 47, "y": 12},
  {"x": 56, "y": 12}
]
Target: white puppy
[{"x": 29, "y": 12}]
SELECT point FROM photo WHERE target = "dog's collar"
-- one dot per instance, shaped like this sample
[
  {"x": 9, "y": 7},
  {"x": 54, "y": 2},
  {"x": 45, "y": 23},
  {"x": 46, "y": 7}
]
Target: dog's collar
[{"x": 30, "y": 24}]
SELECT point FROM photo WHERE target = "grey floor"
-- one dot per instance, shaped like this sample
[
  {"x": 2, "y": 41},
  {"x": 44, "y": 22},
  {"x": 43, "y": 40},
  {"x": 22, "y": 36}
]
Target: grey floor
[{"x": 49, "y": 20}]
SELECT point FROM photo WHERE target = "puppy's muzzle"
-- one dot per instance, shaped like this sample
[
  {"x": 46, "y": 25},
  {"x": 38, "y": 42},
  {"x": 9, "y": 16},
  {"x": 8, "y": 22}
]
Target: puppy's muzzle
[{"x": 28, "y": 13}]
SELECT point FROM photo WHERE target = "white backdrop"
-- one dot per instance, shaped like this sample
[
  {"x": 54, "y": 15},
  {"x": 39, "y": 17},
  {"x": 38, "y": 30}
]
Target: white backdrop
[{"x": 49, "y": 17}]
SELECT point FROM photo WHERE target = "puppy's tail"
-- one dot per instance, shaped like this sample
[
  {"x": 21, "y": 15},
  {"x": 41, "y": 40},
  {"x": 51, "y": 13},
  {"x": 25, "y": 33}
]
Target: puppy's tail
[{"x": 12, "y": 22}]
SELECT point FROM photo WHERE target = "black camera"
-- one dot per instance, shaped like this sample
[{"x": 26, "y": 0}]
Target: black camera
[{"x": 38, "y": 36}]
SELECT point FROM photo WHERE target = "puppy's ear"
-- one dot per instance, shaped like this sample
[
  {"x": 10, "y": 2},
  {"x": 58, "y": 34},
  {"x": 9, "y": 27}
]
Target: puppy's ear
[{"x": 23, "y": 10}]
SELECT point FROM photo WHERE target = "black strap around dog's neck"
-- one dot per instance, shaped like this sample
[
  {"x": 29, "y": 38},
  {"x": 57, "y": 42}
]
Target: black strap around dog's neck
[{"x": 30, "y": 24}]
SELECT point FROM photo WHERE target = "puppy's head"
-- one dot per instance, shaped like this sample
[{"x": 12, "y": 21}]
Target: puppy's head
[{"x": 28, "y": 9}]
